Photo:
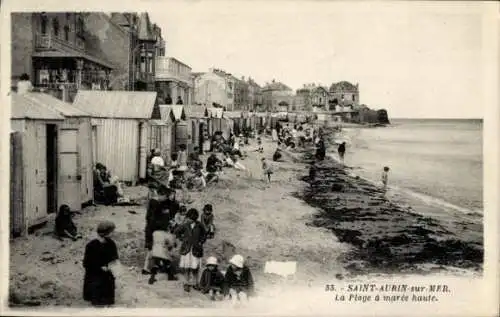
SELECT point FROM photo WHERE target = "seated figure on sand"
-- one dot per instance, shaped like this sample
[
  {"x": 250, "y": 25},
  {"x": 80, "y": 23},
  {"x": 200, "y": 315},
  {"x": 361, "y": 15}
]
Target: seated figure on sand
[
  {"x": 64, "y": 226},
  {"x": 107, "y": 189},
  {"x": 238, "y": 281},
  {"x": 212, "y": 280}
]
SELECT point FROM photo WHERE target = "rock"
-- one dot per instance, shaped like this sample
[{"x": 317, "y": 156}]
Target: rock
[{"x": 47, "y": 258}]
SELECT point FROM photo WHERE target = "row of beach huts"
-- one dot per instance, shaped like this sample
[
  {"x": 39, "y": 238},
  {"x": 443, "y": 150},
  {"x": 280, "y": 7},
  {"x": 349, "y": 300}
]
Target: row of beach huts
[{"x": 55, "y": 145}]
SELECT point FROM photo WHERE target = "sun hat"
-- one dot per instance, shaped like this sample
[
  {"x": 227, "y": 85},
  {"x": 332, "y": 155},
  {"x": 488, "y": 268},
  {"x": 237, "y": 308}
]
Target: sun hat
[
  {"x": 105, "y": 227},
  {"x": 237, "y": 260},
  {"x": 212, "y": 260}
]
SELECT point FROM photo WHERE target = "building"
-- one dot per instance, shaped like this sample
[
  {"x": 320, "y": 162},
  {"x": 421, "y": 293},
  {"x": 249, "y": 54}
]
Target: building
[
  {"x": 214, "y": 88},
  {"x": 241, "y": 90},
  {"x": 139, "y": 42},
  {"x": 66, "y": 51},
  {"x": 303, "y": 101},
  {"x": 344, "y": 94},
  {"x": 277, "y": 96},
  {"x": 254, "y": 95},
  {"x": 174, "y": 81},
  {"x": 57, "y": 53}
]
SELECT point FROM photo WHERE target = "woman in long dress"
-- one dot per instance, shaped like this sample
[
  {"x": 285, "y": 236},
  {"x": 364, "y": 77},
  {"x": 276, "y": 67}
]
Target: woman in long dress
[{"x": 100, "y": 254}]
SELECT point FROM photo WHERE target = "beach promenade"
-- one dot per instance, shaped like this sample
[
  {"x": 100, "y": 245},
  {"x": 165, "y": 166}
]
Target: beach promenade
[{"x": 262, "y": 221}]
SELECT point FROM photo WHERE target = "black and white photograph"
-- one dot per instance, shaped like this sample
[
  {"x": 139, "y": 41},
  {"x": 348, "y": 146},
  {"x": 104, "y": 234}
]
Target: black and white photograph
[{"x": 250, "y": 157}]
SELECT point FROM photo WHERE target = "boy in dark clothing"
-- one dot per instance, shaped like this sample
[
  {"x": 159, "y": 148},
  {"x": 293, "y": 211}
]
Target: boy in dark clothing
[{"x": 341, "y": 151}]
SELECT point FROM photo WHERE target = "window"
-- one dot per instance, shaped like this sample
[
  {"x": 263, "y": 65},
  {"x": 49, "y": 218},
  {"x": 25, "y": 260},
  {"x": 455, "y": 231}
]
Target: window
[
  {"x": 55, "y": 26},
  {"x": 353, "y": 97},
  {"x": 79, "y": 26},
  {"x": 143, "y": 64},
  {"x": 66, "y": 33},
  {"x": 43, "y": 27},
  {"x": 68, "y": 17},
  {"x": 150, "y": 62}
]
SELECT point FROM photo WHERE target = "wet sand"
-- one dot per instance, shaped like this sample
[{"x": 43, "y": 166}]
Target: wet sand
[{"x": 387, "y": 237}]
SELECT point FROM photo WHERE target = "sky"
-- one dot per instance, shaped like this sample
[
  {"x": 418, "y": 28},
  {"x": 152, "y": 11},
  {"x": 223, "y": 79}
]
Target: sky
[{"x": 417, "y": 60}]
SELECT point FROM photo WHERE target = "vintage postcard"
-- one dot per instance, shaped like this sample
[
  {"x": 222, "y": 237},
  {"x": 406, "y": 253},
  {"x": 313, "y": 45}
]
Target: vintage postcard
[{"x": 292, "y": 158}]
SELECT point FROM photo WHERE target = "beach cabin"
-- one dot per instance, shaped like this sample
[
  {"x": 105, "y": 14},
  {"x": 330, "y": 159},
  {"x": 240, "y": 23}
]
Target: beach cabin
[
  {"x": 260, "y": 118},
  {"x": 237, "y": 119},
  {"x": 197, "y": 115},
  {"x": 51, "y": 158},
  {"x": 214, "y": 119},
  {"x": 33, "y": 163},
  {"x": 120, "y": 129},
  {"x": 227, "y": 126}
]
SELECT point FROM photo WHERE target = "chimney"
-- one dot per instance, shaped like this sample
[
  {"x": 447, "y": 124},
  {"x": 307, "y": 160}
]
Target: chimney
[
  {"x": 274, "y": 81},
  {"x": 243, "y": 78}
]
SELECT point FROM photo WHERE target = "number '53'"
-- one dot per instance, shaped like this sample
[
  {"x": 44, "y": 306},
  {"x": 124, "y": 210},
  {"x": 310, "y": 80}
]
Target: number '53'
[{"x": 330, "y": 288}]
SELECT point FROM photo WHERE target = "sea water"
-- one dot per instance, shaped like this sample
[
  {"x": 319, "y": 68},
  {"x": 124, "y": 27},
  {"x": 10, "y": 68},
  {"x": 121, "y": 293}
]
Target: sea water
[{"x": 439, "y": 161}]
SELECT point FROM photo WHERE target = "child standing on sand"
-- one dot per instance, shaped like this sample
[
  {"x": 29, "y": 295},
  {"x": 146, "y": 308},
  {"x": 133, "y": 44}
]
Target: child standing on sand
[
  {"x": 267, "y": 169},
  {"x": 385, "y": 176}
]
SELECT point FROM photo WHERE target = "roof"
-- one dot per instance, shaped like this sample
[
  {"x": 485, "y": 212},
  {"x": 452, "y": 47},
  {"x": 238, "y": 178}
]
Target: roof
[
  {"x": 178, "y": 111},
  {"x": 145, "y": 30},
  {"x": 215, "y": 112},
  {"x": 193, "y": 111},
  {"x": 116, "y": 104},
  {"x": 166, "y": 113},
  {"x": 119, "y": 18},
  {"x": 232, "y": 114},
  {"x": 64, "y": 108},
  {"x": 317, "y": 88},
  {"x": 24, "y": 107},
  {"x": 276, "y": 86},
  {"x": 343, "y": 86}
]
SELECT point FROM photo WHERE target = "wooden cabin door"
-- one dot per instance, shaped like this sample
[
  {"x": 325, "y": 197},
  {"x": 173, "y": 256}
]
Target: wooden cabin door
[{"x": 69, "y": 173}]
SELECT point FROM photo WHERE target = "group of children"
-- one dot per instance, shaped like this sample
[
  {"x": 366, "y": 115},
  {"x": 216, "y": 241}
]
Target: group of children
[{"x": 169, "y": 224}]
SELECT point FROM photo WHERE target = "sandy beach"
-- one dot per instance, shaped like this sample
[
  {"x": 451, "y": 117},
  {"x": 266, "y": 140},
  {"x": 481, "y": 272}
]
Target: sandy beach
[{"x": 331, "y": 235}]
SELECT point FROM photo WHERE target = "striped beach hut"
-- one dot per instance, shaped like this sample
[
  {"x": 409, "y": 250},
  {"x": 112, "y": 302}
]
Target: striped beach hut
[
  {"x": 198, "y": 118},
  {"x": 120, "y": 129}
]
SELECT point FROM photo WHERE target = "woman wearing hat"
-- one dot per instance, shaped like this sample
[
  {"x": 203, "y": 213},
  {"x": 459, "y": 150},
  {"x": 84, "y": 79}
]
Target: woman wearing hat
[
  {"x": 212, "y": 280},
  {"x": 100, "y": 254},
  {"x": 238, "y": 282},
  {"x": 193, "y": 236}
]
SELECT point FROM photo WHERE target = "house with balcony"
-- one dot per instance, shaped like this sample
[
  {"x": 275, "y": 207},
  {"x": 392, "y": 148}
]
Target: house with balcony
[
  {"x": 53, "y": 48},
  {"x": 215, "y": 88},
  {"x": 173, "y": 80}
]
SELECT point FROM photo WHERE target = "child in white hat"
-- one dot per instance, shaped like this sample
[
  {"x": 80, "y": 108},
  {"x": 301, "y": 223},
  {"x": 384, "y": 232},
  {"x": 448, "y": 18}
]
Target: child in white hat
[
  {"x": 212, "y": 280},
  {"x": 238, "y": 281}
]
